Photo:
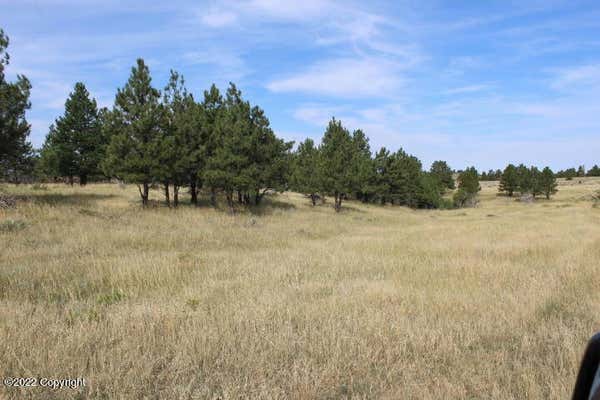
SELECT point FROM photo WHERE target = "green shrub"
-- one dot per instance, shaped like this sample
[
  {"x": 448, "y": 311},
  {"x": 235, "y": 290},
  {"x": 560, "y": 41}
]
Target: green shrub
[{"x": 12, "y": 225}]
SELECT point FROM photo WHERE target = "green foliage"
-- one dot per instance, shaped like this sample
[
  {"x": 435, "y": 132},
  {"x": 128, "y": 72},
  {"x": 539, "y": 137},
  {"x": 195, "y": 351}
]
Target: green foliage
[
  {"x": 404, "y": 178},
  {"x": 594, "y": 171},
  {"x": 468, "y": 180},
  {"x": 524, "y": 179},
  {"x": 568, "y": 174},
  {"x": 75, "y": 145},
  {"x": 491, "y": 175},
  {"x": 306, "y": 176},
  {"x": 338, "y": 152},
  {"x": 468, "y": 187},
  {"x": 536, "y": 183},
  {"x": 380, "y": 181},
  {"x": 112, "y": 297},
  {"x": 248, "y": 157},
  {"x": 509, "y": 181},
  {"x": 528, "y": 180},
  {"x": 181, "y": 154},
  {"x": 429, "y": 194},
  {"x": 210, "y": 111},
  {"x": 547, "y": 182},
  {"x": 443, "y": 173},
  {"x": 460, "y": 198},
  {"x": 15, "y": 150},
  {"x": 362, "y": 167},
  {"x": 12, "y": 225},
  {"x": 136, "y": 123}
]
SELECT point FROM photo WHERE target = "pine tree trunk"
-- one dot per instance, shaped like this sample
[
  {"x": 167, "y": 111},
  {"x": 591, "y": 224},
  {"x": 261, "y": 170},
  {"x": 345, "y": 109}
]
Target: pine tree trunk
[
  {"x": 213, "y": 197},
  {"x": 257, "y": 197},
  {"x": 82, "y": 180},
  {"x": 194, "y": 192},
  {"x": 338, "y": 202},
  {"x": 144, "y": 193},
  {"x": 71, "y": 180},
  {"x": 240, "y": 197},
  {"x": 167, "y": 195},
  {"x": 313, "y": 199},
  {"x": 229, "y": 196},
  {"x": 175, "y": 196}
]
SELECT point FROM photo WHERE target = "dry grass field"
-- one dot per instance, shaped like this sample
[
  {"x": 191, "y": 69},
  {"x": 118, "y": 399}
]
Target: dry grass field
[{"x": 293, "y": 302}]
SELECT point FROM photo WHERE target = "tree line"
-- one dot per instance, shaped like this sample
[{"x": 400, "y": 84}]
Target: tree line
[
  {"x": 223, "y": 147},
  {"x": 528, "y": 181},
  {"x": 223, "y": 144}
]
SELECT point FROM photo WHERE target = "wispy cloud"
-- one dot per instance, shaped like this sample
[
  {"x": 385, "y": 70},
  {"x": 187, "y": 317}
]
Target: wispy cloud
[
  {"x": 229, "y": 64},
  {"x": 344, "y": 77},
  {"x": 218, "y": 18},
  {"x": 586, "y": 76},
  {"x": 467, "y": 89}
]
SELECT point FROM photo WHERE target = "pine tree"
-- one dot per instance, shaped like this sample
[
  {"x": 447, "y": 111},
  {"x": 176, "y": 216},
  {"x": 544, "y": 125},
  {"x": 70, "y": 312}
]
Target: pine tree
[
  {"x": 136, "y": 123},
  {"x": 210, "y": 114},
  {"x": 547, "y": 182},
  {"x": 75, "y": 141},
  {"x": 14, "y": 102},
  {"x": 569, "y": 174},
  {"x": 182, "y": 140},
  {"x": 381, "y": 179},
  {"x": 536, "y": 183},
  {"x": 509, "y": 180},
  {"x": 404, "y": 178},
  {"x": 441, "y": 171},
  {"x": 594, "y": 171},
  {"x": 524, "y": 179},
  {"x": 337, "y": 156},
  {"x": 226, "y": 165},
  {"x": 468, "y": 187},
  {"x": 269, "y": 157},
  {"x": 429, "y": 194},
  {"x": 581, "y": 171},
  {"x": 363, "y": 169},
  {"x": 305, "y": 176},
  {"x": 20, "y": 165}
]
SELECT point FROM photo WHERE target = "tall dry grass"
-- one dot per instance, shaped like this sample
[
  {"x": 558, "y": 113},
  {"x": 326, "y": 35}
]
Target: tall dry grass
[{"x": 290, "y": 301}]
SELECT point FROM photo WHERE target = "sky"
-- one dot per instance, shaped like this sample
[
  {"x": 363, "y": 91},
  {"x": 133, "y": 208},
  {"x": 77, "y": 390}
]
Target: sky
[{"x": 480, "y": 83}]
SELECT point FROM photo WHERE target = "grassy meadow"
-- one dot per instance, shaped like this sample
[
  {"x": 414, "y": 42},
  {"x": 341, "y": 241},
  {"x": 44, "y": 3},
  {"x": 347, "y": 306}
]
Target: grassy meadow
[{"x": 287, "y": 301}]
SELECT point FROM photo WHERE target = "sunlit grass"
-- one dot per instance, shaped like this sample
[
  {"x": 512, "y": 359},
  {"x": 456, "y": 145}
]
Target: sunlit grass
[{"x": 291, "y": 301}]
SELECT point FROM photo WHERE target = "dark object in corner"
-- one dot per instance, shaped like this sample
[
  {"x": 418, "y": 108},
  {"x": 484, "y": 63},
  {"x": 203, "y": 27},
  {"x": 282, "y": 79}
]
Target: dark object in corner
[{"x": 587, "y": 377}]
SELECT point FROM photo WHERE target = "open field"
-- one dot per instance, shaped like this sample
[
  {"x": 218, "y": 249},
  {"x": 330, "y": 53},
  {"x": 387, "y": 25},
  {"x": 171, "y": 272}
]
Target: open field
[{"x": 289, "y": 301}]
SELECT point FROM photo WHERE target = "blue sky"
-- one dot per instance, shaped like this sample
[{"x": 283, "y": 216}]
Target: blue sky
[{"x": 472, "y": 82}]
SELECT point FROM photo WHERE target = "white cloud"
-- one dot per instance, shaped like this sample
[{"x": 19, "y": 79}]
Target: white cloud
[
  {"x": 344, "y": 77},
  {"x": 292, "y": 10},
  {"x": 467, "y": 89},
  {"x": 229, "y": 64},
  {"x": 578, "y": 76},
  {"x": 317, "y": 114},
  {"x": 218, "y": 18}
]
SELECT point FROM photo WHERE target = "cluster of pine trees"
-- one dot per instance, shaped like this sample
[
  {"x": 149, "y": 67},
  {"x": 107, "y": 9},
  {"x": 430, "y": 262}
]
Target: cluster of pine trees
[
  {"x": 344, "y": 167},
  {"x": 594, "y": 171},
  {"x": 152, "y": 137},
  {"x": 224, "y": 145},
  {"x": 491, "y": 175},
  {"x": 579, "y": 172},
  {"x": 527, "y": 181}
]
